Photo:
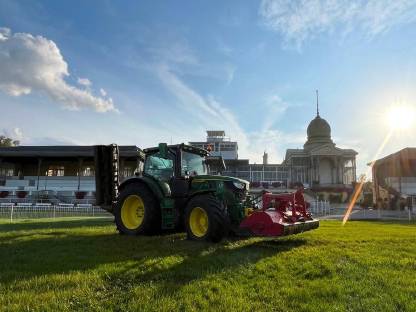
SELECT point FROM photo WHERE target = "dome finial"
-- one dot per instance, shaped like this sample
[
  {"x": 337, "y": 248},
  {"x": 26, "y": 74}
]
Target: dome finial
[{"x": 317, "y": 103}]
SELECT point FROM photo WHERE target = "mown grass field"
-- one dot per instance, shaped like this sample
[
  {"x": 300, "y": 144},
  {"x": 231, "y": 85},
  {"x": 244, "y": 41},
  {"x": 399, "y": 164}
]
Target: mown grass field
[{"x": 85, "y": 265}]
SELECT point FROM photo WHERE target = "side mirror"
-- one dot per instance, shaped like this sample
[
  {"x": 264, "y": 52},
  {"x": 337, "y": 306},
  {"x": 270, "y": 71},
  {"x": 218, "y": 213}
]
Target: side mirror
[{"x": 163, "y": 150}]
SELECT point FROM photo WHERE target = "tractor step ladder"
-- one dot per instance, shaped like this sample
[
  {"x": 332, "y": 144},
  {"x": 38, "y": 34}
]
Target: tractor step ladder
[{"x": 167, "y": 206}]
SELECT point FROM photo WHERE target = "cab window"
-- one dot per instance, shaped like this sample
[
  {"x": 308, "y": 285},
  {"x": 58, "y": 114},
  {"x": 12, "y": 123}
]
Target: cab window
[
  {"x": 193, "y": 164},
  {"x": 158, "y": 167}
]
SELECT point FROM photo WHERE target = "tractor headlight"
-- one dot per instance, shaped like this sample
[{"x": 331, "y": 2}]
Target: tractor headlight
[{"x": 239, "y": 185}]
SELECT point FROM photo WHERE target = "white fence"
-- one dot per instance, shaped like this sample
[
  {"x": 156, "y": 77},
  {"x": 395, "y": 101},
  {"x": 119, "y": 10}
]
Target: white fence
[
  {"x": 358, "y": 213},
  {"x": 323, "y": 209},
  {"x": 29, "y": 211},
  {"x": 320, "y": 208},
  {"x": 382, "y": 214}
]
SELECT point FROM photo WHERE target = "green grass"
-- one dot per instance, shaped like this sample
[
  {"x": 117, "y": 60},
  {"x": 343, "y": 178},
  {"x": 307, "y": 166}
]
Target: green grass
[{"x": 84, "y": 265}]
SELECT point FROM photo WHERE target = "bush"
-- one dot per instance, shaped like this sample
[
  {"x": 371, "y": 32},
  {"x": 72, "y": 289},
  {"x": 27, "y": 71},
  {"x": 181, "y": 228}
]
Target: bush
[
  {"x": 21, "y": 194},
  {"x": 255, "y": 184},
  {"x": 335, "y": 198},
  {"x": 80, "y": 195},
  {"x": 296, "y": 185},
  {"x": 367, "y": 201}
]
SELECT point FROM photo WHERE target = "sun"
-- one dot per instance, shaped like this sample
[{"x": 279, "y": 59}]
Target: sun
[{"x": 401, "y": 117}]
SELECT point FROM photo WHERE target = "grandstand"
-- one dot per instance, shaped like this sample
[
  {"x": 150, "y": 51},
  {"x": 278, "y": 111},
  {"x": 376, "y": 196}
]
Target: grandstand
[{"x": 55, "y": 175}]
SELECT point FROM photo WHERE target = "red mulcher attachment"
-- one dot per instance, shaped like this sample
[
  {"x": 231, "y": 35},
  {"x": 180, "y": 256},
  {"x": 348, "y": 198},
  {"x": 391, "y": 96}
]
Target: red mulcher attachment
[{"x": 282, "y": 214}]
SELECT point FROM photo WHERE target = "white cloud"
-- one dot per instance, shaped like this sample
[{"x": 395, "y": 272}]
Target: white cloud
[
  {"x": 182, "y": 59},
  {"x": 207, "y": 113},
  {"x": 51, "y": 141},
  {"x": 103, "y": 92},
  {"x": 177, "y": 51},
  {"x": 34, "y": 63},
  {"x": 299, "y": 21},
  {"x": 274, "y": 142},
  {"x": 199, "y": 112},
  {"x": 186, "y": 96},
  {"x": 15, "y": 133},
  {"x": 4, "y": 33},
  {"x": 275, "y": 108},
  {"x": 84, "y": 82},
  {"x": 230, "y": 70},
  {"x": 224, "y": 48}
]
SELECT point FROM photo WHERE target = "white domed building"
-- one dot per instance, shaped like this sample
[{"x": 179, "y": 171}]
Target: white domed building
[{"x": 320, "y": 164}]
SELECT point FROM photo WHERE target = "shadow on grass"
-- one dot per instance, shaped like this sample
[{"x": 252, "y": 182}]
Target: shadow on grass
[
  {"x": 28, "y": 225},
  {"x": 384, "y": 221},
  {"x": 198, "y": 264},
  {"x": 131, "y": 259}
]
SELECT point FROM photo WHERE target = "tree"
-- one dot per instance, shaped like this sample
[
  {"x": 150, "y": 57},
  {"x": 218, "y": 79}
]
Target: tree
[{"x": 8, "y": 142}]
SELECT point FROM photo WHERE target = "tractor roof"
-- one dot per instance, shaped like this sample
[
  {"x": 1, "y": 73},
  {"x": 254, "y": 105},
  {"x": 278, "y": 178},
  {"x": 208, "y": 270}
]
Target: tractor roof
[{"x": 182, "y": 146}]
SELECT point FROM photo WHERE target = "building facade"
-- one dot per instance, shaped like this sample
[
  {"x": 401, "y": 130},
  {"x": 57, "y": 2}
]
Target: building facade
[
  {"x": 320, "y": 164},
  {"x": 219, "y": 145},
  {"x": 56, "y": 174},
  {"x": 394, "y": 178}
]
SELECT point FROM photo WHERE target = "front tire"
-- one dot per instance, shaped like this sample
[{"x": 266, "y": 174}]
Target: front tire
[
  {"x": 137, "y": 211},
  {"x": 205, "y": 219}
]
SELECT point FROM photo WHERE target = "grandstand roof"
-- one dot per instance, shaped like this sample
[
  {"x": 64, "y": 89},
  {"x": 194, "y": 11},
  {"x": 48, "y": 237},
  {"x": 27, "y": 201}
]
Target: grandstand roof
[
  {"x": 404, "y": 154},
  {"x": 62, "y": 151}
]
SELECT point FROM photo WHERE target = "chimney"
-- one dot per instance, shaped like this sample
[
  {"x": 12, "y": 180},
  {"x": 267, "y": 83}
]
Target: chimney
[{"x": 265, "y": 156}]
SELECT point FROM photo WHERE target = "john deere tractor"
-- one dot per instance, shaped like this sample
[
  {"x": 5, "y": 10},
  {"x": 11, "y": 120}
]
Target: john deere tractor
[{"x": 175, "y": 192}]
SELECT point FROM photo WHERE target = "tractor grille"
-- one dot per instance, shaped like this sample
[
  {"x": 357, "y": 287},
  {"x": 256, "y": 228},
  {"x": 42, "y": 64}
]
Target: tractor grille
[{"x": 239, "y": 193}]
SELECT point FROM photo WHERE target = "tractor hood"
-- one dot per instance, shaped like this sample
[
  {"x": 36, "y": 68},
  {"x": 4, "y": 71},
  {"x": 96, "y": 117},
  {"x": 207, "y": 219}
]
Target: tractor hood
[{"x": 207, "y": 177}]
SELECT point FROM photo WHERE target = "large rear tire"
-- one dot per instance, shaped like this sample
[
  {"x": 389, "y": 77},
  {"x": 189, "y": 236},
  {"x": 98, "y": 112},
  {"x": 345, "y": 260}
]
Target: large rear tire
[
  {"x": 205, "y": 219},
  {"x": 137, "y": 211}
]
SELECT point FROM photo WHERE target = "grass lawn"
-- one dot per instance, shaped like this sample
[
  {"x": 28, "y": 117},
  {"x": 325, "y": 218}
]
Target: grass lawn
[{"x": 85, "y": 265}]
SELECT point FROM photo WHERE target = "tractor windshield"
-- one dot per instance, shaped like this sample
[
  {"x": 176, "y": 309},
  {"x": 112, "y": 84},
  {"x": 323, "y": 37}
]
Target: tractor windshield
[{"x": 193, "y": 164}]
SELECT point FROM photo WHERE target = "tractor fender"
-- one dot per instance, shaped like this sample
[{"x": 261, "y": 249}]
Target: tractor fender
[
  {"x": 146, "y": 181},
  {"x": 197, "y": 193}
]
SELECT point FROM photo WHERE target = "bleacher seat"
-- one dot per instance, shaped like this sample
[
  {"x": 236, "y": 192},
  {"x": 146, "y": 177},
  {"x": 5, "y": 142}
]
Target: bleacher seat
[
  {"x": 6, "y": 204},
  {"x": 43, "y": 204},
  {"x": 16, "y": 184},
  {"x": 66, "y": 205},
  {"x": 23, "y": 204},
  {"x": 49, "y": 189}
]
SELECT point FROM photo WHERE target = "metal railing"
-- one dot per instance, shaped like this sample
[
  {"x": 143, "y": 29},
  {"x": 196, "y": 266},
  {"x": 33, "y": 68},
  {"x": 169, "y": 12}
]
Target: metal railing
[
  {"x": 320, "y": 208},
  {"x": 29, "y": 211},
  {"x": 382, "y": 214},
  {"x": 359, "y": 213}
]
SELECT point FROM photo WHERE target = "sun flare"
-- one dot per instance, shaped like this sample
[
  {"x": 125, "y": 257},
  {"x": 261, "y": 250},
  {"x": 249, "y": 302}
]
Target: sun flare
[{"x": 401, "y": 117}]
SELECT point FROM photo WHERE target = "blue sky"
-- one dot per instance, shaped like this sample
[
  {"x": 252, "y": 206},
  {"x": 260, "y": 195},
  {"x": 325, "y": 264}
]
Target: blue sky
[{"x": 88, "y": 72}]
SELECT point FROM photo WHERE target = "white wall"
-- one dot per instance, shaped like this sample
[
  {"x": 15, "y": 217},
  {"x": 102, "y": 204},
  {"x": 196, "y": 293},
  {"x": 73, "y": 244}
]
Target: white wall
[{"x": 325, "y": 171}]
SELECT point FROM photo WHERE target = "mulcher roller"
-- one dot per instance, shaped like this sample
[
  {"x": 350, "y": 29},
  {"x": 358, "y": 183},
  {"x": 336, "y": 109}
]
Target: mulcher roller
[{"x": 282, "y": 214}]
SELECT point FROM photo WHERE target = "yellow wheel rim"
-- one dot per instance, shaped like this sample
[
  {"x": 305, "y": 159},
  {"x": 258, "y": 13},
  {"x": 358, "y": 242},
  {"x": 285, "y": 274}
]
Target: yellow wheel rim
[
  {"x": 132, "y": 212},
  {"x": 198, "y": 222}
]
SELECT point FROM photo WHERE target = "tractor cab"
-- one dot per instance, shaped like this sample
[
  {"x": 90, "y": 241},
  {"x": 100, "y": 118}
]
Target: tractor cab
[{"x": 174, "y": 166}]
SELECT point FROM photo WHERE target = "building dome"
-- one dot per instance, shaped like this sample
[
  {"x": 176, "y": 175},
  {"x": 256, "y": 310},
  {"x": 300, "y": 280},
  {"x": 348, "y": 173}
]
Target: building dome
[
  {"x": 319, "y": 128},
  {"x": 319, "y": 132}
]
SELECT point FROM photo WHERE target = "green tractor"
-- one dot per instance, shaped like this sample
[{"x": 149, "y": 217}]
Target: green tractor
[{"x": 174, "y": 192}]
